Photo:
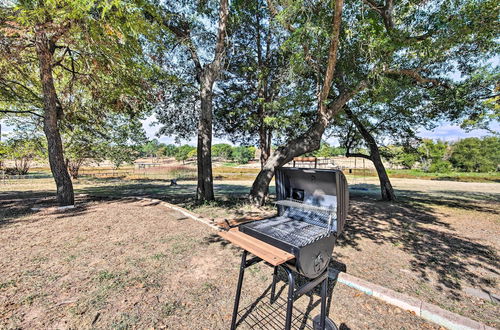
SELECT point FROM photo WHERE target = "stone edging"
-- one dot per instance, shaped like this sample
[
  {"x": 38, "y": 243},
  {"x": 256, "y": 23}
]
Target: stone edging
[
  {"x": 181, "y": 210},
  {"x": 425, "y": 310},
  {"x": 422, "y": 309}
]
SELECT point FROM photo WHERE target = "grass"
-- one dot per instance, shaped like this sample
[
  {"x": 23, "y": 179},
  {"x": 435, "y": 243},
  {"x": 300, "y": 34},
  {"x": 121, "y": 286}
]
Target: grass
[
  {"x": 230, "y": 171},
  {"x": 450, "y": 176},
  {"x": 159, "y": 269}
]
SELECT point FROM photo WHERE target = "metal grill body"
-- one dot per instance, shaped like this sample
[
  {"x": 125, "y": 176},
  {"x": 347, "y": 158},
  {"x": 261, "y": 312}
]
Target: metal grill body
[{"x": 312, "y": 205}]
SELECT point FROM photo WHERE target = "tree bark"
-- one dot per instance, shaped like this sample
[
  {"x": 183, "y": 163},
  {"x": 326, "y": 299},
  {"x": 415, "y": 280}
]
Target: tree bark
[
  {"x": 52, "y": 114},
  {"x": 205, "y": 190},
  {"x": 386, "y": 189},
  {"x": 206, "y": 77},
  {"x": 265, "y": 137},
  {"x": 263, "y": 97}
]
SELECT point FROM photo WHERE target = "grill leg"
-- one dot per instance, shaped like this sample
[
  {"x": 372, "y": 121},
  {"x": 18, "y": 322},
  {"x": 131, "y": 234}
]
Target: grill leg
[
  {"x": 324, "y": 288},
  {"x": 329, "y": 299},
  {"x": 238, "y": 289},
  {"x": 289, "y": 306},
  {"x": 273, "y": 286}
]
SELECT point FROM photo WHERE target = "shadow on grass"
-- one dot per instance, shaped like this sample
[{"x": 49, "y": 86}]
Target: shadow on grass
[
  {"x": 17, "y": 204},
  {"x": 412, "y": 225}
]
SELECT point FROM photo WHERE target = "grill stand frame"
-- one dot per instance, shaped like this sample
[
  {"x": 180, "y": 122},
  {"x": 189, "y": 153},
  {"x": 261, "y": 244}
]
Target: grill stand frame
[{"x": 292, "y": 293}]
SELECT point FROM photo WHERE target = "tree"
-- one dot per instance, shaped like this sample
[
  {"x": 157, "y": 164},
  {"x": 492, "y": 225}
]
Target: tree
[
  {"x": 81, "y": 145},
  {"x": 243, "y": 154},
  {"x": 63, "y": 61},
  {"x": 326, "y": 150},
  {"x": 404, "y": 156},
  {"x": 168, "y": 150},
  {"x": 476, "y": 155},
  {"x": 325, "y": 111},
  {"x": 123, "y": 142},
  {"x": 151, "y": 148},
  {"x": 434, "y": 155},
  {"x": 115, "y": 137},
  {"x": 255, "y": 95},
  {"x": 24, "y": 150},
  {"x": 3, "y": 153},
  {"x": 204, "y": 68},
  {"x": 183, "y": 152},
  {"x": 419, "y": 45},
  {"x": 222, "y": 150}
]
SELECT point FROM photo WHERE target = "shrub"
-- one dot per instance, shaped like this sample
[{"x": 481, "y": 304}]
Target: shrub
[
  {"x": 243, "y": 155},
  {"x": 476, "y": 155},
  {"x": 182, "y": 152},
  {"x": 440, "y": 166},
  {"x": 222, "y": 150}
]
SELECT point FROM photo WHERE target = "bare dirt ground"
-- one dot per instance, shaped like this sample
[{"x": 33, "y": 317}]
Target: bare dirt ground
[
  {"x": 135, "y": 264},
  {"x": 438, "y": 243}
]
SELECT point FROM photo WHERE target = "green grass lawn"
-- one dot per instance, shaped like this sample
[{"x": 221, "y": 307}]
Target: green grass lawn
[
  {"x": 230, "y": 171},
  {"x": 451, "y": 176}
]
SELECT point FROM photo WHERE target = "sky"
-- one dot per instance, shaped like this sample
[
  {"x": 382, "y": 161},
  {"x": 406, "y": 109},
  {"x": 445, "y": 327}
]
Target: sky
[{"x": 445, "y": 131}]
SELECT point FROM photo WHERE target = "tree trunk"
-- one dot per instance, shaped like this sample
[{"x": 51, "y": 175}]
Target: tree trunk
[
  {"x": 308, "y": 142},
  {"x": 52, "y": 113},
  {"x": 264, "y": 138},
  {"x": 311, "y": 139},
  {"x": 386, "y": 189},
  {"x": 206, "y": 76},
  {"x": 205, "y": 189}
]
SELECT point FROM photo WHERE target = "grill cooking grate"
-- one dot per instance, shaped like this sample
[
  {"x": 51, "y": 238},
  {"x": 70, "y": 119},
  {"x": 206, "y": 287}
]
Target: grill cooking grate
[{"x": 293, "y": 231}]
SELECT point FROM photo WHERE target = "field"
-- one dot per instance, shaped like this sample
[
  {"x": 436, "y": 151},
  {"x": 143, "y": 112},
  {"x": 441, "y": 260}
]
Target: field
[{"x": 115, "y": 262}]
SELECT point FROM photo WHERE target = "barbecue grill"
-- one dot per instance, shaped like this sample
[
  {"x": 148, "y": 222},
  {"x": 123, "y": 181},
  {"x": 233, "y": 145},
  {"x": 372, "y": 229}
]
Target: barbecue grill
[
  {"x": 312, "y": 208},
  {"x": 312, "y": 205}
]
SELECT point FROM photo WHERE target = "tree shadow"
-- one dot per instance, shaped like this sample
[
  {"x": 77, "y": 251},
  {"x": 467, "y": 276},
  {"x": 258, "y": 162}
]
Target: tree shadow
[
  {"x": 413, "y": 226},
  {"x": 15, "y": 205}
]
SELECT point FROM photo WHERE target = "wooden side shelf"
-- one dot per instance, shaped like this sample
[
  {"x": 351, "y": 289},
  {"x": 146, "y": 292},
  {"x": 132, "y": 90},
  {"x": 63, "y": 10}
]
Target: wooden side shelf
[{"x": 265, "y": 251}]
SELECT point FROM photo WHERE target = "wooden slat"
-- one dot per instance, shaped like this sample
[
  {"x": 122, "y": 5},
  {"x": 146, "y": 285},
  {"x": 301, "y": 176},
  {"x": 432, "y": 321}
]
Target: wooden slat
[{"x": 267, "y": 252}]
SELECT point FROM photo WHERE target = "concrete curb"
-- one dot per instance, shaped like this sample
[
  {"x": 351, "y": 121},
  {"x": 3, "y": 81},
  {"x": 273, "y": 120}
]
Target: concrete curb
[
  {"x": 58, "y": 208},
  {"x": 426, "y": 311},
  {"x": 181, "y": 210},
  {"x": 422, "y": 309}
]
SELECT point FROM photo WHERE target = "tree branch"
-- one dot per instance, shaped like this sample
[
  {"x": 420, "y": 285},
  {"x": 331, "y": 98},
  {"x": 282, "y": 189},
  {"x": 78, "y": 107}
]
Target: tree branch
[
  {"x": 336, "y": 105},
  {"x": 374, "y": 6},
  {"x": 357, "y": 154},
  {"x": 7, "y": 81},
  {"x": 220, "y": 45},
  {"x": 332, "y": 57},
  {"x": 415, "y": 75},
  {"x": 183, "y": 34},
  {"x": 60, "y": 32},
  {"x": 22, "y": 112}
]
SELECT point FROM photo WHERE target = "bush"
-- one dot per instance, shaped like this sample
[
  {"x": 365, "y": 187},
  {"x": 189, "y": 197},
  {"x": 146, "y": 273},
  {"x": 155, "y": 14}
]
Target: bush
[
  {"x": 183, "y": 152},
  {"x": 222, "y": 150},
  {"x": 13, "y": 171},
  {"x": 440, "y": 166},
  {"x": 192, "y": 154},
  {"x": 476, "y": 155},
  {"x": 242, "y": 155}
]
